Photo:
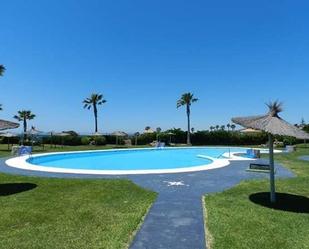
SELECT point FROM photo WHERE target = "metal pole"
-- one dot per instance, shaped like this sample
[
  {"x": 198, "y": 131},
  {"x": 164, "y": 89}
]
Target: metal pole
[{"x": 272, "y": 170}]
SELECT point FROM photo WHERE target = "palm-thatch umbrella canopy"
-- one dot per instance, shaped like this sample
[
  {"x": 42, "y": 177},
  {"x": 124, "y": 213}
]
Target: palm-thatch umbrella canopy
[
  {"x": 8, "y": 135},
  {"x": 34, "y": 132},
  {"x": 170, "y": 135},
  {"x": 119, "y": 134},
  {"x": 6, "y": 125},
  {"x": 62, "y": 135},
  {"x": 148, "y": 131},
  {"x": 273, "y": 125},
  {"x": 97, "y": 134},
  {"x": 250, "y": 131}
]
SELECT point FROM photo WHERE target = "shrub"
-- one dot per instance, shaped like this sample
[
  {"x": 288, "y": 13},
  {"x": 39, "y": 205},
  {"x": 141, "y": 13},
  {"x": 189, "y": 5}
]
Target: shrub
[
  {"x": 144, "y": 139},
  {"x": 85, "y": 140},
  {"x": 100, "y": 140}
]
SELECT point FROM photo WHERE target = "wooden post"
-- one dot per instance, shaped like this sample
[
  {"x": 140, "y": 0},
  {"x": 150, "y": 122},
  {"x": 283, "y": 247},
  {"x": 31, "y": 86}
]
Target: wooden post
[{"x": 272, "y": 169}]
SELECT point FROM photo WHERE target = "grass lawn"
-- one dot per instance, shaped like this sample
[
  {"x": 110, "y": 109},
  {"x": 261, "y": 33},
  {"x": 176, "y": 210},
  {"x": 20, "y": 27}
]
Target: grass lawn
[
  {"x": 69, "y": 213},
  {"x": 233, "y": 221}
]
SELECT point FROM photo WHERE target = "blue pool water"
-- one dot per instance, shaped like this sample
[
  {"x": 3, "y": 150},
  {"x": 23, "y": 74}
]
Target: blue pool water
[{"x": 168, "y": 158}]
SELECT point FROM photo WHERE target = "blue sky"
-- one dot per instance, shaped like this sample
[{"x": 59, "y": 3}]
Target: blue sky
[{"x": 142, "y": 55}]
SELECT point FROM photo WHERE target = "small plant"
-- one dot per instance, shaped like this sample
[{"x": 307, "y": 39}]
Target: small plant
[{"x": 85, "y": 140}]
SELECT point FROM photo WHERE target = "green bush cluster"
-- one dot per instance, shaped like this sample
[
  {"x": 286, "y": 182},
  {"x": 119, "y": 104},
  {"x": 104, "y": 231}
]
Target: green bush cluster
[{"x": 220, "y": 137}]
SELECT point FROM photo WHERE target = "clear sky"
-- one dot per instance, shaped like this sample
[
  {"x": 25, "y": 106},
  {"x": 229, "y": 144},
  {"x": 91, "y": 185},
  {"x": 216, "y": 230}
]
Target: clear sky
[{"x": 142, "y": 55}]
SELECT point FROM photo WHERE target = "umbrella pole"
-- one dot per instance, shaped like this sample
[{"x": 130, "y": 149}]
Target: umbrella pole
[{"x": 272, "y": 169}]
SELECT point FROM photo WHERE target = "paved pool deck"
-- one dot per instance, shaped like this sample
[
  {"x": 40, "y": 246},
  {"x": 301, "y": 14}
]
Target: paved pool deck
[{"x": 175, "y": 221}]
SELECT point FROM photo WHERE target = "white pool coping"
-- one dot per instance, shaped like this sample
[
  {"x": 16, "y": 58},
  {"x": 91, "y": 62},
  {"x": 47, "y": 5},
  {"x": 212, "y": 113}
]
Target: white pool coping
[{"x": 21, "y": 163}]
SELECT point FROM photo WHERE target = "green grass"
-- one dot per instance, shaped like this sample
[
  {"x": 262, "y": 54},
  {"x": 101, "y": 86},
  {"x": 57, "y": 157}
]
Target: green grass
[
  {"x": 233, "y": 221},
  {"x": 71, "y": 213}
]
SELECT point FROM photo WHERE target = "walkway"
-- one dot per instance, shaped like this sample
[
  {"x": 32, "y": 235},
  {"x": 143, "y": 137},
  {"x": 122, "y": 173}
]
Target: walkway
[{"x": 176, "y": 218}]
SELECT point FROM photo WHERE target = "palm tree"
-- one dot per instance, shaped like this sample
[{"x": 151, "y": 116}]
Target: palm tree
[
  {"x": 93, "y": 101},
  {"x": 136, "y": 134},
  {"x": 233, "y": 127},
  {"x": 2, "y": 69},
  {"x": 222, "y": 127},
  {"x": 228, "y": 127},
  {"x": 186, "y": 100},
  {"x": 23, "y": 116},
  {"x": 158, "y": 130},
  {"x": 211, "y": 128},
  {"x": 217, "y": 127}
]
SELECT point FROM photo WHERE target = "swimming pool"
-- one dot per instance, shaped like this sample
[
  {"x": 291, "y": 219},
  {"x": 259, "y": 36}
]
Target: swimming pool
[{"x": 130, "y": 161}]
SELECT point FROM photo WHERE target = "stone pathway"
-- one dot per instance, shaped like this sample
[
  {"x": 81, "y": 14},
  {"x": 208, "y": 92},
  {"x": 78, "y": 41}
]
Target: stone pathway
[{"x": 175, "y": 221}]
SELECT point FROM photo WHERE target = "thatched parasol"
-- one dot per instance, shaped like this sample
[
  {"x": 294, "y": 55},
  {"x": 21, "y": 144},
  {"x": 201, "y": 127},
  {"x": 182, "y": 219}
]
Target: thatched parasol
[
  {"x": 250, "y": 131},
  {"x": 97, "y": 134},
  {"x": 62, "y": 135},
  {"x": 273, "y": 125},
  {"x": 149, "y": 131},
  {"x": 6, "y": 125},
  {"x": 170, "y": 135},
  {"x": 119, "y": 134},
  {"x": 8, "y": 135},
  {"x": 34, "y": 132}
]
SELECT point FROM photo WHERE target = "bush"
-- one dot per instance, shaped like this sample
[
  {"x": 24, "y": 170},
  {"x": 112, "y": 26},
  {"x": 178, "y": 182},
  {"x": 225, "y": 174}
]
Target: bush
[
  {"x": 85, "y": 140},
  {"x": 222, "y": 137},
  {"x": 289, "y": 141},
  {"x": 100, "y": 140},
  {"x": 144, "y": 139}
]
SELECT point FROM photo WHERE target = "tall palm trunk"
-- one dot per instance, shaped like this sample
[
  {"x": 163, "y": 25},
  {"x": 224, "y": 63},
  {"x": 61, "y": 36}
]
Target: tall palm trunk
[
  {"x": 188, "y": 131},
  {"x": 95, "y": 118},
  {"x": 25, "y": 128}
]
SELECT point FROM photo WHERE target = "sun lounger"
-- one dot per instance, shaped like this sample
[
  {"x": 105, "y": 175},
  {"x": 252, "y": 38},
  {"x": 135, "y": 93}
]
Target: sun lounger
[
  {"x": 160, "y": 145},
  {"x": 251, "y": 153},
  {"x": 259, "y": 166},
  {"x": 21, "y": 150}
]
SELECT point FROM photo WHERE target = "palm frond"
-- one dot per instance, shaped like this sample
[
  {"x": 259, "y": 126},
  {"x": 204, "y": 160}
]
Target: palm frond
[
  {"x": 24, "y": 114},
  {"x": 275, "y": 107},
  {"x": 186, "y": 99},
  {"x": 17, "y": 118},
  {"x": 2, "y": 69},
  {"x": 94, "y": 99}
]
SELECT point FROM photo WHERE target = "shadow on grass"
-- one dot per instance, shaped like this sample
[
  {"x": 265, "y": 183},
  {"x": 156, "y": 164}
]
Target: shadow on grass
[
  {"x": 284, "y": 202},
  {"x": 15, "y": 188}
]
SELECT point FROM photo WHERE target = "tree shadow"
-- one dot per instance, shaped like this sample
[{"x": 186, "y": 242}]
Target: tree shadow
[
  {"x": 15, "y": 188},
  {"x": 284, "y": 202}
]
